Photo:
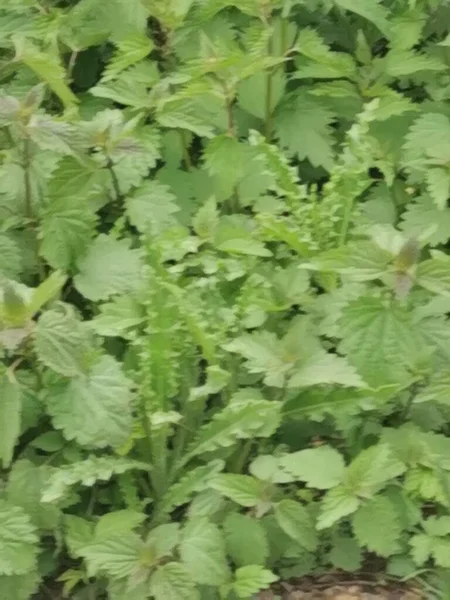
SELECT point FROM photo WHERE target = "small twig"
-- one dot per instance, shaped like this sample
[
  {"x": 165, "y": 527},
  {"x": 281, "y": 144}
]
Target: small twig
[
  {"x": 115, "y": 181},
  {"x": 71, "y": 64}
]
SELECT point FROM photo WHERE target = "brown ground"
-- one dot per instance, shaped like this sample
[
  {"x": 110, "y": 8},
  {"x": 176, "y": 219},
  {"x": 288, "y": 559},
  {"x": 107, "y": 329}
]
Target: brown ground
[{"x": 332, "y": 589}]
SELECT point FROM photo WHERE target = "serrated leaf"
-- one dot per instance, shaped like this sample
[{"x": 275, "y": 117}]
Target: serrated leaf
[
  {"x": 18, "y": 541},
  {"x": 246, "y": 247},
  {"x": 246, "y": 540},
  {"x": 118, "y": 317},
  {"x": 66, "y": 230},
  {"x": 438, "y": 185},
  {"x": 25, "y": 485},
  {"x": 252, "y": 579},
  {"x": 434, "y": 275},
  {"x": 296, "y": 521},
  {"x": 10, "y": 257},
  {"x": 336, "y": 504},
  {"x": 117, "y": 555},
  {"x": 359, "y": 261},
  {"x": 10, "y": 418},
  {"x": 151, "y": 208},
  {"x": 324, "y": 368},
  {"x": 110, "y": 267},
  {"x": 172, "y": 582},
  {"x": 372, "y": 10},
  {"x": 118, "y": 521},
  {"x": 164, "y": 539},
  {"x": 130, "y": 50},
  {"x": 320, "y": 468},
  {"x": 260, "y": 93},
  {"x": 95, "y": 409},
  {"x": 379, "y": 339},
  {"x": 18, "y": 587},
  {"x": 87, "y": 472},
  {"x": 345, "y": 553},
  {"x": 62, "y": 343},
  {"x": 423, "y": 215},
  {"x": 242, "y": 489},
  {"x": 303, "y": 126},
  {"x": 323, "y": 62},
  {"x": 238, "y": 420},
  {"x": 202, "y": 552},
  {"x": 376, "y": 526},
  {"x": 371, "y": 470}
]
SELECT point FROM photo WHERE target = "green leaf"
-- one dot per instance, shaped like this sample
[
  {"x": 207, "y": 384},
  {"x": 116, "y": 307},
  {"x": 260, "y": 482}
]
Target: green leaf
[
  {"x": 46, "y": 291},
  {"x": 320, "y": 468},
  {"x": 246, "y": 540},
  {"x": 118, "y": 317},
  {"x": 371, "y": 470},
  {"x": 62, "y": 342},
  {"x": 372, "y": 10},
  {"x": 151, "y": 208},
  {"x": 130, "y": 50},
  {"x": 434, "y": 275},
  {"x": 242, "y": 489},
  {"x": 18, "y": 587},
  {"x": 118, "y": 521},
  {"x": 296, "y": 521},
  {"x": 10, "y": 418},
  {"x": 438, "y": 185},
  {"x": 303, "y": 126},
  {"x": 239, "y": 420},
  {"x": 376, "y": 526},
  {"x": 10, "y": 257},
  {"x": 110, "y": 267},
  {"x": 251, "y": 579},
  {"x": 164, "y": 539},
  {"x": 359, "y": 261},
  {"x": 172, "y": 582},
  {"x": 246, "y": 247},
  {"x": 117, "y": 555},
  {"x": 202, "y": 552},
  {"x": 345, "y": 553},
  {"x": 423, "y": 215},
  {"x": 66, "y": 229},
  {"x": 95, "y": 409},
  {"x": 87, "y": 472},
  {"x": 18, "y": 541},
  {"x": 379, "y": 339},
  {"x": 322, "y": 61},
  {"x": 25, "y": 485},
  {"x": 325, "y": 368},
  {"x": 260, "y": 93},
  {"x": 336, "y": 504},
  {"x": 437, "y": 390}
]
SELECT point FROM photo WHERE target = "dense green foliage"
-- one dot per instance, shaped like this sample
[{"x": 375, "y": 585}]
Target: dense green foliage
[{"x": 224, "y": 286}]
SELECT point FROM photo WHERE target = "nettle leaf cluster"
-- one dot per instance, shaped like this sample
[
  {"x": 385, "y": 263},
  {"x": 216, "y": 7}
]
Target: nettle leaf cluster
[{"x": 224, "y": 294}]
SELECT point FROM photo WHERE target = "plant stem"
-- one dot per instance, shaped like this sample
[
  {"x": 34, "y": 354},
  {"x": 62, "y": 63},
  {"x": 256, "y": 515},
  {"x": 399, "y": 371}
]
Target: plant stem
[
  {"x": 186, "y": 155},
  {"x": 115, "y": 181},
  {"x": 269, "y": 95},
  {"x": 29, "y": 212}
]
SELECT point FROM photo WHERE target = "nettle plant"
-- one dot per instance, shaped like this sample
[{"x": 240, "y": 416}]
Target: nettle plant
[{"x": 224, "y": 290}]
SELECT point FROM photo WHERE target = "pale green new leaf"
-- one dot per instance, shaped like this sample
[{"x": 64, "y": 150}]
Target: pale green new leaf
[
  {"x": 376, "y": 526},
  {"x": 130, "y": 50},
  {"x": 18, "y": 541},
  {"x": 62, "y": 342},
  {"x": 434, "y": 275},
  {"x": 297, "y": 522},
  {"x": 110, "y": 267},
  {"x": 242, "y": 489},
  {"x": 246, "y": 540},
  {"x": 251, "y": 579},
  {"x": 10, "y": 418},
  {"x": 202, "y": 552},
  {"x": 87, "y": 472},
  {"x": 320, "y": 468},
  {"x": 173, "y": 582}
]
